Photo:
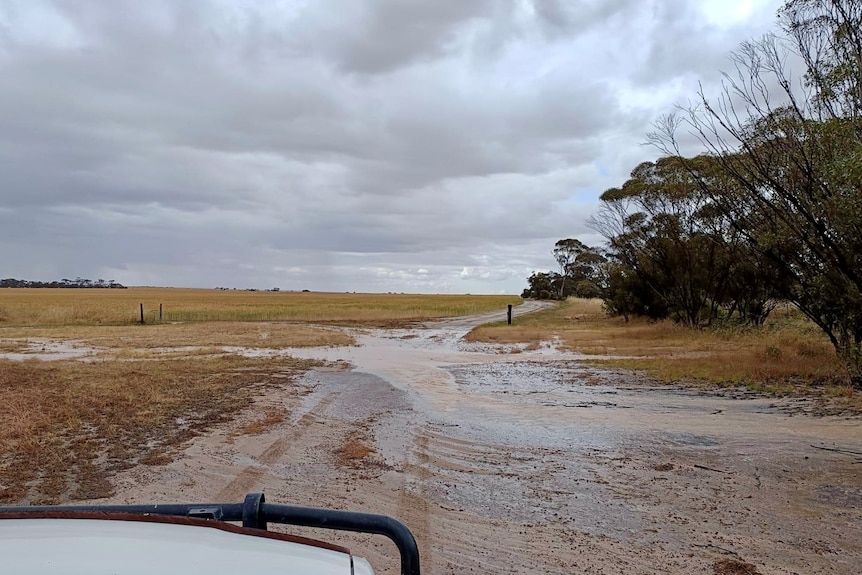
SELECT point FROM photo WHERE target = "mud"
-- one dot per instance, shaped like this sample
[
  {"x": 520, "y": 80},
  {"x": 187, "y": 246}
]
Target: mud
[
  {"x": 44, "y": 349},
  {"x": 505, "y": 460}
]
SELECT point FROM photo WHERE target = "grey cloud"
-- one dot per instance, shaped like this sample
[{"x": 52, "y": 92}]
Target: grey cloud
[
  {"x": 378, "y": 36},
  {"x": 398, "y": 33},
  {"x": 564, "y": 17},
  {"x": 325, "y": 144},
  {"x": 681, "y": 43}
]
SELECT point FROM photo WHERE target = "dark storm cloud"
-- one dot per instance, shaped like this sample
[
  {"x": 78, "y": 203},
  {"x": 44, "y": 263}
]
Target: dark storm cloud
[{"x": 406, "y": 142}]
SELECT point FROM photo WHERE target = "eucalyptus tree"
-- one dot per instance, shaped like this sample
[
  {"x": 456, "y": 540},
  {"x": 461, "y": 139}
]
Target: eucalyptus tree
[{"x": 791, "y": 153}]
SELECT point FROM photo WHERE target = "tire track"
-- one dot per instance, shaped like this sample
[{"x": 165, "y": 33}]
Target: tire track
[
  {"x": 456, "y": 540},
  {"x": 251, "y": 476},
  {"x": 413, "y": 500},
  {"x": 470, "y": 321}
]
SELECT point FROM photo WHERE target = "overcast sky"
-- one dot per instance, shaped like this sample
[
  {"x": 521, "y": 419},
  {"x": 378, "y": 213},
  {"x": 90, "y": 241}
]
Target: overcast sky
[{"x": 350, "y": 145}]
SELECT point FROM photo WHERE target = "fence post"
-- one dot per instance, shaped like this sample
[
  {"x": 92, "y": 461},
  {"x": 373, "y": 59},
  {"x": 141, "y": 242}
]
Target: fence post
[
  {"x": 509, "y": 315},
  {"x": 160, "y": 312},
  {"x": 142, "y": 313}
]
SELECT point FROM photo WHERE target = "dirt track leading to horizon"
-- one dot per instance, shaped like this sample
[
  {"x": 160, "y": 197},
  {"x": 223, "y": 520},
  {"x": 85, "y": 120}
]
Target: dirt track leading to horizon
[{"x": 503, "y": 460}]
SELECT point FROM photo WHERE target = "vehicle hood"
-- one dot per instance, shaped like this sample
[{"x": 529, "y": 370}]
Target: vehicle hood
[{"x": 111, "y": 546}]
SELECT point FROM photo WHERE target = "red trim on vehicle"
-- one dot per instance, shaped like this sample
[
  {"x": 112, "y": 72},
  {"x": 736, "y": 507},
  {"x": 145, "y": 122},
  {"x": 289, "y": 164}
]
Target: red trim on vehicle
[{"x": 172, "y": 520}]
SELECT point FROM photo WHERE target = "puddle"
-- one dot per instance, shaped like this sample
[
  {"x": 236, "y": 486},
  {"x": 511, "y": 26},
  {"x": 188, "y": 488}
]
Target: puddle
[{"x": 50, "y": 350}]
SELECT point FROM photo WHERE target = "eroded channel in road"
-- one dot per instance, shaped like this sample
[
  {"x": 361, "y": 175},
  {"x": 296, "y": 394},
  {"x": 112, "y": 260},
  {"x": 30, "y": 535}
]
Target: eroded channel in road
[{"x": 513, "y": 461}]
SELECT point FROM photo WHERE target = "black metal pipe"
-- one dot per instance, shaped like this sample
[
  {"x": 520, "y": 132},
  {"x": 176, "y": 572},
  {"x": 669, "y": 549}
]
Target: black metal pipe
[{"x": 351, "y": 521}]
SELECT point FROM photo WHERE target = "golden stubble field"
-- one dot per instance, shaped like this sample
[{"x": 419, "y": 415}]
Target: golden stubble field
[
  {"x": 62, "y": 307},
  {"x": 137, "y": 391}
]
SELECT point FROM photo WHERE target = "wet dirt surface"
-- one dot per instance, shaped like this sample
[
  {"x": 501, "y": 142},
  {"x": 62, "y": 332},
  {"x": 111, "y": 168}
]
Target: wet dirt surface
[
  {"x": 44, "y": 349},
  {"x": 503, "y": 460}
]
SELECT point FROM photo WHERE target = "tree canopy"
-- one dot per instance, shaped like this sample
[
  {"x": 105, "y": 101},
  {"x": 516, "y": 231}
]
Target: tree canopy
[{"x": 772, "y": 210}]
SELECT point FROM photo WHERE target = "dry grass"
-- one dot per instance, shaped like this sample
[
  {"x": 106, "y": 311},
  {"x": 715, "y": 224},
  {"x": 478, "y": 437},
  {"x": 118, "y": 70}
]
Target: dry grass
[
  {"x": 357, "y": 453},
  {"x": 208, "y": 334},
  {"x": 354, "y": 449},
  {"x": 68, "y": 425},
  {"x": 60, "y": 307},
  {"x": 733, "y": 567},
  {"x": 582, "y": 326},
  {"x": 11, "y": 346},
  {"x": 788, "y": 356},
  {"x": 271, "y": 417}
]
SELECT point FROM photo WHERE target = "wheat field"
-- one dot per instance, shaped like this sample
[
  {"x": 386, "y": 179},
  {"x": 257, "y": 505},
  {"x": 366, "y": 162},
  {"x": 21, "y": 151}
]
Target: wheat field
[{"x": 45, "y": 307}]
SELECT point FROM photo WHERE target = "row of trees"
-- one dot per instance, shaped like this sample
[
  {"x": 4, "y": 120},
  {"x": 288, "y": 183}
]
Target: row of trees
[
  {"x": 772, "y": 211},
  {"x": 672, "y": 253},
  {"x": 63, "y": 283}
]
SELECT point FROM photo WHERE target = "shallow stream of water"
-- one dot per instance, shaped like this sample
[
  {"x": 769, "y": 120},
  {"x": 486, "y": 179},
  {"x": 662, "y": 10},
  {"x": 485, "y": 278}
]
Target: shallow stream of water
[{"x": 539, "y": 436}]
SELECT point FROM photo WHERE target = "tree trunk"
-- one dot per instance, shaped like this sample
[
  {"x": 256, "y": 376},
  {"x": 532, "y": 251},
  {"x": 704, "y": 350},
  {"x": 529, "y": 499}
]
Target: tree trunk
[{"x": 851, "y": 354}]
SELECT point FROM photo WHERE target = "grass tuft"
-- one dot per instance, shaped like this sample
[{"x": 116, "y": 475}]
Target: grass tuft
[
  {"x": 356, "y": 452},
  {"x": 733, "y": 567},
  {"x": 271, "y": 417}
]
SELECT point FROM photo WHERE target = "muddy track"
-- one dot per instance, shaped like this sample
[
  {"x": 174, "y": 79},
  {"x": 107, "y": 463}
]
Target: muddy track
[
  {"x": 534, "y": 463},
  {"x": 471, "y": 321},
  {"x": 413, "y": 500},
  {"x": 249, "y": 479}
]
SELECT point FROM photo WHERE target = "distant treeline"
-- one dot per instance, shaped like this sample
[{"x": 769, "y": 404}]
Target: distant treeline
[{"x": 63, "y": 283}]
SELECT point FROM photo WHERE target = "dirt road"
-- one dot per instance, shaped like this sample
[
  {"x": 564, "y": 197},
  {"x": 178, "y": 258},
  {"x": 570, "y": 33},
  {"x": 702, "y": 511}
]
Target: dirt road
[{"x": 509, "y": 461}]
